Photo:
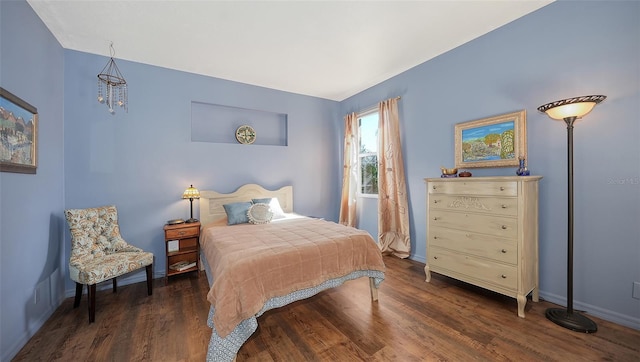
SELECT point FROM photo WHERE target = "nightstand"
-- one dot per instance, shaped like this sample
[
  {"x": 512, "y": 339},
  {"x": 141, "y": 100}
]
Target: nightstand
[{"x": 182, "y": 246}]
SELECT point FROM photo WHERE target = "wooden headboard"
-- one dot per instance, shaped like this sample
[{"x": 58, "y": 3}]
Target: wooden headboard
[{"x": 211, "y": 201}]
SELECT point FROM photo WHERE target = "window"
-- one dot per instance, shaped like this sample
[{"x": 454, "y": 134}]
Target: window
[{"x": 368, "y": 154}]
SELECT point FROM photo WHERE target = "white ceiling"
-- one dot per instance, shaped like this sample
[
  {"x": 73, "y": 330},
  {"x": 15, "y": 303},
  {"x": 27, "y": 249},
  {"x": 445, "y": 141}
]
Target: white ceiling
[{"x": 327, "y": 49}]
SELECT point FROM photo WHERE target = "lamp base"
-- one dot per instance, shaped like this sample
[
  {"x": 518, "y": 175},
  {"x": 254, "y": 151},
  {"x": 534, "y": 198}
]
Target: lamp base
[
  {"x": 189, "y": 221},
  {"x": 574, "y": 321}
]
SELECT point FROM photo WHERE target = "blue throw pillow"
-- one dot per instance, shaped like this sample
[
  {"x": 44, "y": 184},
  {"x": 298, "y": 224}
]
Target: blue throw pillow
[
  {"x": 237, "y": 212},
  {"x": 266, "y": 200}
]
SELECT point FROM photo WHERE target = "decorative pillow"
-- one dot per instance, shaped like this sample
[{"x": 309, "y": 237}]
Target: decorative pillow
[
  {"x": 274, "y": 204},
  {"x": 259, "y": 214},
  {"x": 237, "y": 212}
]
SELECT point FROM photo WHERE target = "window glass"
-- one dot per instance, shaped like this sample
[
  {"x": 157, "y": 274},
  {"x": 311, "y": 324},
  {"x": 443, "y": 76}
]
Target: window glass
[{"x": 368, "y": 168}]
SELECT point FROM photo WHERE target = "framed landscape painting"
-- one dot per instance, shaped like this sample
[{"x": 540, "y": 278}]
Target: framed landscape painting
[
  {"x": 18, "y": 134},
  {"x": 492, "y": 142}
]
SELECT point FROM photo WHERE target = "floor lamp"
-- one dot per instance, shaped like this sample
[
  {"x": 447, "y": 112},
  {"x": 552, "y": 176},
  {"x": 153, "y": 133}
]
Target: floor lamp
[{"x": 569, "y": 110}]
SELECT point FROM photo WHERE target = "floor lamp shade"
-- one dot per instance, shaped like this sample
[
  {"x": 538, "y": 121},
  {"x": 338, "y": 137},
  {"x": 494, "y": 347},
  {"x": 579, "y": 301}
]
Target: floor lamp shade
[{"x": 569, "y": 110}]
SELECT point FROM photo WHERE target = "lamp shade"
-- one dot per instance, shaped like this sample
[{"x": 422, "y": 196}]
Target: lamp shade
[
  {"x": 571, "y": 107},
  {"x": 191, "y": 193}
]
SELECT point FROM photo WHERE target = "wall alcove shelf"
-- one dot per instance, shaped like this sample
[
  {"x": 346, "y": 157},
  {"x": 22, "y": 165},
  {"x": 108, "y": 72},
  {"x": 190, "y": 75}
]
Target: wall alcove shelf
[{"x": 216, "y": 123}]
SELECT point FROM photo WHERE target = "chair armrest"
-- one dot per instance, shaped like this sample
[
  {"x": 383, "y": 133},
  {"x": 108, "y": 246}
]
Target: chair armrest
[
  {"x": 129, "y": 248},
  {"x": 121, "y": 246}
]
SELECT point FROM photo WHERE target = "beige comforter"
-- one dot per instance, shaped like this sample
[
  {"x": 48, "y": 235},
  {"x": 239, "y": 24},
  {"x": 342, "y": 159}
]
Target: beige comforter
[{"x": 251, "y": 264}]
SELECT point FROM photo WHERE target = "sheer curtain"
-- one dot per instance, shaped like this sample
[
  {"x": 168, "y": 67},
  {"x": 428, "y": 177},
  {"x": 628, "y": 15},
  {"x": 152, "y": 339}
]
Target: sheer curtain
[
  {"x": 350, "y": 171},
  {"x": 393, "y": 210}
]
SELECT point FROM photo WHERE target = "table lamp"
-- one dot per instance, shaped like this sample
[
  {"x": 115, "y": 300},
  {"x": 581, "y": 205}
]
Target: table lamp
[{"x": 191, "y": 193}]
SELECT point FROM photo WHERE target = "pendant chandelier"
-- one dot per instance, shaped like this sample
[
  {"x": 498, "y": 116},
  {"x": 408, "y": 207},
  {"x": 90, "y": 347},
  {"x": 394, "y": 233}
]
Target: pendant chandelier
[{"x": 112, "y": 87}]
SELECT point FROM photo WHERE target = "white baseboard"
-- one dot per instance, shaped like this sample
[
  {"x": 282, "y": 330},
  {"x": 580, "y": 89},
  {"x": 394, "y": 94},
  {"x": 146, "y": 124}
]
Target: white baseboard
[
  {"x": 608, "y": 315},
  {"x": 33, "y": 327},
  {"x": 611, "y": 316},
  {"x": 419, "y": 258}
]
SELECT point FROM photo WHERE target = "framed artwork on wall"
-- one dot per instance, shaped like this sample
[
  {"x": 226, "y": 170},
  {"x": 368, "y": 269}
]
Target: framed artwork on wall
[
  {"x": 18, "y": 134},
  {"x": 492, "y": 142}
]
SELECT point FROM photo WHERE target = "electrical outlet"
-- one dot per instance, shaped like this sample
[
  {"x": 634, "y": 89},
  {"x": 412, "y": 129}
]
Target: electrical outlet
[{"x": 636, "y": 290}]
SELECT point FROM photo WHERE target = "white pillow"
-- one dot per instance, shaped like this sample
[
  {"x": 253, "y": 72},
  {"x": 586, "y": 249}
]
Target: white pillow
[
  {"x": 259, "y": 214},
  {"x": 273, "y": 202}
]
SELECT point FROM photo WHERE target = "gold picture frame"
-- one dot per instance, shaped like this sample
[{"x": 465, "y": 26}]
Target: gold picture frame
[
  {"x": 492, "y": 142},
  {"x": 18, "y": 134}
]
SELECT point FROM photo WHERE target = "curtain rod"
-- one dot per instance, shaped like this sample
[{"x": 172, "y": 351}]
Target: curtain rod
[{"x": 371, "y": 107}]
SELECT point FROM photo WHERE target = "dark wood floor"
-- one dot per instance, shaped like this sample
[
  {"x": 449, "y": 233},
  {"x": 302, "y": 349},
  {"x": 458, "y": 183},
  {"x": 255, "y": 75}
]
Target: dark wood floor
[{"x": 444, "y": 320}]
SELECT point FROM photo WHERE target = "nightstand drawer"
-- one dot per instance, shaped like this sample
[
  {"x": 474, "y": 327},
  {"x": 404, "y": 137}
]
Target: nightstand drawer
[
  {"x": 182, "y": 232},
  {"x": 190, "y": 243}
]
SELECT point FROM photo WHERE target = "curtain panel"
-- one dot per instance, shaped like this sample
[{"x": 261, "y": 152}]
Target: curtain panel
[
  {"x": 350, "y": 171},
  {"x": 393, "y": 210}
]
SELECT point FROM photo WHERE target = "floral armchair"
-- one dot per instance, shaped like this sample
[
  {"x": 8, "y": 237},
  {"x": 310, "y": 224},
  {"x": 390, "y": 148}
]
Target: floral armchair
[{"x": 99, "y": 253}]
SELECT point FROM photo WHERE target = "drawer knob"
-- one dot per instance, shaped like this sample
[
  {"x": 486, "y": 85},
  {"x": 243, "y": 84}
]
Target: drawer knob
[
  {"x": 504, "y": 276},
  {"x": 504, "y": 251},
  {"x": 435, "y": 218},
  {"x": 435, "y": 257},
  {"x": 501, "y": 188},
  {"x": 434, "y": 187},
  {"x": 504, "y": 206},
  {"x": 504, "y": 227},
  {"x": 181, "y": 233},
  {"x": 435, "y": 237},
  {"x": 435, "y": 201}
]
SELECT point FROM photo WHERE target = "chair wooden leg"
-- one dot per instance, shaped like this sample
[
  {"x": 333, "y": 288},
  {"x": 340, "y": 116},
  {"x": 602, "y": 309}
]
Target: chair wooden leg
[
  {"x": 115, "y": 285},
  {"x": 76, "y": 302},
  {"x": 149, "y": 270},
  {"x": 92, "y": 303}
]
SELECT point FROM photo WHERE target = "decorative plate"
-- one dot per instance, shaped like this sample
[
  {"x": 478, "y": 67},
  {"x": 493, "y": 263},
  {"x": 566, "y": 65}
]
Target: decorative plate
[{"x": 246, "y": 134}]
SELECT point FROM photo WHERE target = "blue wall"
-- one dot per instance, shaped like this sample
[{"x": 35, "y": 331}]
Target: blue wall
[
  {"x": 31, "y": 224},
  {"x": 563, "y": 50},
  {"x": 141, "y": 161}
]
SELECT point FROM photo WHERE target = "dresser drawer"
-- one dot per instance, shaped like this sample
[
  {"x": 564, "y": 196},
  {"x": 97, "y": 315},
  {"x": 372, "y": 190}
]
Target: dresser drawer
[
  {"x": 490, "y": 205},
  {"x": 182, "y": 232},
  {"x": 500, "y": 188},
  {"x": 504, "y": 250},
  {"x": 477, "y": 268},
  {"x": 503, "y": 227}
]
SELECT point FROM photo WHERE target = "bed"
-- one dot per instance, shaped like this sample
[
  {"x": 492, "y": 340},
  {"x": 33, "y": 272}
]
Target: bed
[{"x": 265, "y": 264}]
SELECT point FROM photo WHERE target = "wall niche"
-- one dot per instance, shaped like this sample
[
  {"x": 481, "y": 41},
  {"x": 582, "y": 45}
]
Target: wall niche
[{"x": 217, "y": 123}]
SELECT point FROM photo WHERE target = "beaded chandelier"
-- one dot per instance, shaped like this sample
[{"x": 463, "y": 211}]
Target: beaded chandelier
[{"x": 115, "y": 84}]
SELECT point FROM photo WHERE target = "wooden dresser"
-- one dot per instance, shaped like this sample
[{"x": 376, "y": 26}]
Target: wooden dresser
[{"x": 484, "y": 231}]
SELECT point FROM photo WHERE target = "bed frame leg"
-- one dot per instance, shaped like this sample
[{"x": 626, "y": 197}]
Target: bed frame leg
[{"x": 374, "y": 290}]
